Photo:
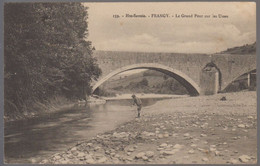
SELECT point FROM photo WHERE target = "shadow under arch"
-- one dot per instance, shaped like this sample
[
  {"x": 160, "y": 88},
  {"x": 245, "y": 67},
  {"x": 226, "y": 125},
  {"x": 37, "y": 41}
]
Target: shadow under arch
[
  {"x": 237, "y": 78},
  {"x": 185, "y": 80}
]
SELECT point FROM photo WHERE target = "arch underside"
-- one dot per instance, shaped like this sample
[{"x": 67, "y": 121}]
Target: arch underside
[
  {"x": 235, "y": 78},
  {"x": 185, "y": 80}
]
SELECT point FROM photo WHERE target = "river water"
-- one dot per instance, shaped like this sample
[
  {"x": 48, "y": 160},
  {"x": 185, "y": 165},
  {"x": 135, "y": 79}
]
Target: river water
[{"x": 29, "y": 141}]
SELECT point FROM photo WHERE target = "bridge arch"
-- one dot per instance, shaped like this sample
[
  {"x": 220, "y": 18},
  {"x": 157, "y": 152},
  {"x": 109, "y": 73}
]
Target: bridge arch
[
  {"x": 185, "y": 80},
  {"x": 237, "y": 77}
]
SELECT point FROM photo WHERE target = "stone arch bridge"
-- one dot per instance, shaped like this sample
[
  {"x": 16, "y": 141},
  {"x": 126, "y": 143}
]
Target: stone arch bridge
[{"x": 186, "y": 68}]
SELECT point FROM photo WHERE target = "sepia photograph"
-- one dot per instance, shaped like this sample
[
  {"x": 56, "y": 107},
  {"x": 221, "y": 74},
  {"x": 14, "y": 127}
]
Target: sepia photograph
[{"x": 130, "y": 83}]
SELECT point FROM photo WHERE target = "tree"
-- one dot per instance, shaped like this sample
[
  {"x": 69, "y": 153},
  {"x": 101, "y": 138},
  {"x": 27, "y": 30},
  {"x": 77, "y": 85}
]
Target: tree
[{"x": 46, "y": 52}]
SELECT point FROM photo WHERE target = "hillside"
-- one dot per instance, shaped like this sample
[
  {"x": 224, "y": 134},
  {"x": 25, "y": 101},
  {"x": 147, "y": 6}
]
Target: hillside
[
  {"x": 245, "y": 49},
  {"x": 148, "y": 81}
]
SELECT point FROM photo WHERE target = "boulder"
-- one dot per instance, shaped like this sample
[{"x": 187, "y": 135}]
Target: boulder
[
  {"x": 193, "y": 145},
  {"x": 130, "y": 150},
  {"x": 163, "y": 145},
  {"x": 168, "y": 152},
  {"x": 120, "y": 135},
  {"x": 73, "y": 149},
  {"x": 244, "y": 158},
  {"x": 177, "y": 146},
  {"x": 241, "y": 126},
  {"x": 233, "y": 161},
  {"x": 140, "y": 155},
  {"x": 160, "y": 136},
  {"x": 217, "y": 153},
  {"x": 81, "y": 154},
  {"x": 90, "y": 161},
  {"x": 203, "y": 135},
  {"x": 57, "y": 157},
  {"x": 211, "y": 149},
  {"x": 149, "y": 154},
  {"x": 89, "y": 144},
  {"x": 191, "y": 151},
  {"x": 186, "y": 135},
  {"x": 144, "y": 158},
  {"x": 102, "y": 160},
  {"x": 250, "y": 117}
]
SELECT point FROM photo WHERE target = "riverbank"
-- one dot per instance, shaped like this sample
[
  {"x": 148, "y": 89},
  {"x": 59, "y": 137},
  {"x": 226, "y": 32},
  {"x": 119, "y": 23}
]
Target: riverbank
[
  {"x": 143, "y": 96},
  {"x": 38, "y": 109},
  {"x": 194, "y": 130}
]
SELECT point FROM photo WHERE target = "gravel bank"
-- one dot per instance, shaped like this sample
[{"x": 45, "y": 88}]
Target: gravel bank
[{"x": 194, "y": 130}]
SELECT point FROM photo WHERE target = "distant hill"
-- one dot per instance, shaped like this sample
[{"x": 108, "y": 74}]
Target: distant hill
[
  {"x": 245, "y": 49},
  {"x": 149, "y": 81}
]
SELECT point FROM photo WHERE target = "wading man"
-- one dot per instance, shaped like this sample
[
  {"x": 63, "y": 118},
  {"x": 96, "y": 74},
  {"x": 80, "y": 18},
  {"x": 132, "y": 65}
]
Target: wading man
[{"x": 138, "y": 103}]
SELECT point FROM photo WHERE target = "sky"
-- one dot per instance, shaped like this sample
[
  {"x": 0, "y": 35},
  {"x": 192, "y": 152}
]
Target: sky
[{"x": 181, "y": 35}]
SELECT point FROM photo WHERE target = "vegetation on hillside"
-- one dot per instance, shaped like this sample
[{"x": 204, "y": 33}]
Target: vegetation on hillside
[
  {"x": 149, "y": 81},
  {"x": 46, "y": 54},
  {"x": 245, "y": 49}
]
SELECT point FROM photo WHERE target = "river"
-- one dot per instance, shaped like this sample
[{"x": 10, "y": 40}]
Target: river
[{"x": 32, "y": 140}]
